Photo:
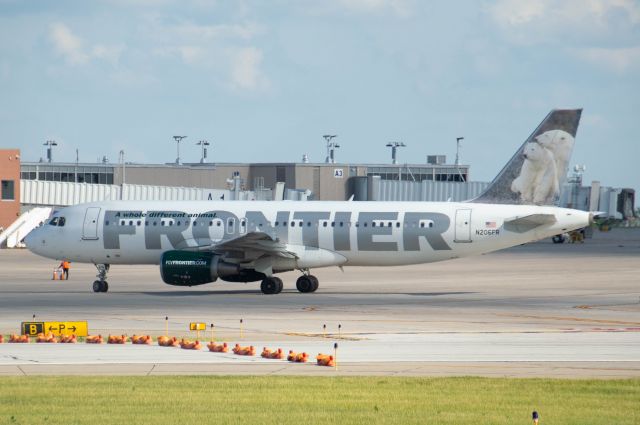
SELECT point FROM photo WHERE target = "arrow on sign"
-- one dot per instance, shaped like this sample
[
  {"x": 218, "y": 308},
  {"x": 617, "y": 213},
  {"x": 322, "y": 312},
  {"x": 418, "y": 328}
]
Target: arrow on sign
[
  {"x": 73, "y": 328},
  {"x": 51, "y": 328}
]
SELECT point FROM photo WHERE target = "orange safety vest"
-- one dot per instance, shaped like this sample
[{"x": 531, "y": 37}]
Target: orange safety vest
[{"x": 66, "y": 265}]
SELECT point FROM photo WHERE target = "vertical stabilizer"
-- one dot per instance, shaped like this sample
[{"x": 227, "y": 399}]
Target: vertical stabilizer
[{"x": 537, "y": 171}]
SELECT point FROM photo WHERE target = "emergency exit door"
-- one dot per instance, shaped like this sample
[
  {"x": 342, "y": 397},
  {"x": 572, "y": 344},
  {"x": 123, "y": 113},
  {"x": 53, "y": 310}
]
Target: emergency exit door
[
  {"x": 90, "y": 227},
  {"x": 463, "y": 226}
]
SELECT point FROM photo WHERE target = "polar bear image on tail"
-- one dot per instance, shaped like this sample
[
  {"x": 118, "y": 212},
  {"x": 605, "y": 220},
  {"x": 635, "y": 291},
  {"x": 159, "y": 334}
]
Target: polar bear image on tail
[
  {"x": 560, "y": 143},
  {"x": 538, "y": 179}
]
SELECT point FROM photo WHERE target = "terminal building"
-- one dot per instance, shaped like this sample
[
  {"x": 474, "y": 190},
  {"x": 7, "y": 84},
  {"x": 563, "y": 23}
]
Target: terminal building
[
  {"x": 31, "y": 190},
  {"x": 310, "y": 181}
]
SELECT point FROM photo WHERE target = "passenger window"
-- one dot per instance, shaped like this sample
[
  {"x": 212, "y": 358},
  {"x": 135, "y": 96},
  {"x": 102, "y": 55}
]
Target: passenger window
[
  {"x": 139, "y": 222},
  {"x": 300, "y": 224},
  {"x": 231, "y": 224},
  {"x": 293, "y": 224},
  {"x": 398, "y": 224},
  {"x": 106, "y": 223},
  {"x": 276, "y": 223},
  {"x": 130, "y": 222},
  {"x": 324, "y": 224}
]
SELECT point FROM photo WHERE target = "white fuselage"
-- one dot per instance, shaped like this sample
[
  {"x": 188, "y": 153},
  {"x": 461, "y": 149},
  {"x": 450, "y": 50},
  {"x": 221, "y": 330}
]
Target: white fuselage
[{"x": 319, "y": 233}]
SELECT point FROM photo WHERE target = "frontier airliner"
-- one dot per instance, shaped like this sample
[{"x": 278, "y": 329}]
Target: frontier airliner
[{"x": 248, "y": 241}]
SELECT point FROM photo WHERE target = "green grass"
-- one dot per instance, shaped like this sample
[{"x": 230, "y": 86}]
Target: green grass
[{"x": 312, "y": 400}]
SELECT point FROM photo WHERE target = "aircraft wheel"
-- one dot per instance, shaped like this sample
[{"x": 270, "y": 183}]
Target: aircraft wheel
[
  {"x": 97, "y": 286},
  {"x": 304, "y": 284},
  {"x": 316, "y": 283},
  {"x": 105, "y": 286},
  {"x": 270, "y": 285},
  {"x": 280, "y": 284}
]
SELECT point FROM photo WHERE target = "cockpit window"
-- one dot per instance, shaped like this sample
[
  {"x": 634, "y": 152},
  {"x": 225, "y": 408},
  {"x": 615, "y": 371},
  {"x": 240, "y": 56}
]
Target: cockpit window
[{"x": 57, "y": 221}]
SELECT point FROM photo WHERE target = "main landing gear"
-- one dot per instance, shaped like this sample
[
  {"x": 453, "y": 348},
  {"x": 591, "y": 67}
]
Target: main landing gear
[
  {"x": 101, "y": 284},
  {"x": 305, "y": 283},
  {"x": 271, "y": 285}
]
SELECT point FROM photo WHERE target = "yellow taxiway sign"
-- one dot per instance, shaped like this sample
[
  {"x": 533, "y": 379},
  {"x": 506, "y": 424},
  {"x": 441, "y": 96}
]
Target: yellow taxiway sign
[{"x": 56, "y": 328}]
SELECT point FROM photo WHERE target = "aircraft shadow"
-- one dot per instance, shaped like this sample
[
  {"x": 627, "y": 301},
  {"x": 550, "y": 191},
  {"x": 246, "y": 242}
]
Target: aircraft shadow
[{"x": 257, "y": 292}]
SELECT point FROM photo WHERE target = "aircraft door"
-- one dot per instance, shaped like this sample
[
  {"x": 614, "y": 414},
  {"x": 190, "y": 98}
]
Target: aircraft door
[
  {"x": 90, "y": 227},
  {"x": 463, "y": 226}
]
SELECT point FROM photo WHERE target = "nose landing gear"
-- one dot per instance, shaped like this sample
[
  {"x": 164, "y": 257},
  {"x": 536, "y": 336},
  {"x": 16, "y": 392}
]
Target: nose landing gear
[{"x": 101, "y": 284}]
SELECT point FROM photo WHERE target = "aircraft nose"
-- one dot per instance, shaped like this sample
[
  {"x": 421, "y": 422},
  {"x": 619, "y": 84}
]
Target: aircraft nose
[
  {"x": 31, "y": 240},
  {"x": 28, "y": 240}
]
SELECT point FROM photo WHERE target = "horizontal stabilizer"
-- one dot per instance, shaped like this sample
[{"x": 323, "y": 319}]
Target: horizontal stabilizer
[{"x": 528, "y": 222}]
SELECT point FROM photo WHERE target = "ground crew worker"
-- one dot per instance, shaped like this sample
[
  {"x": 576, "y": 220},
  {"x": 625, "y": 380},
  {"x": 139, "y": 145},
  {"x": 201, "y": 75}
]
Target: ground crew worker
[
  {"x": 65, "y": 265},
  {"x": 535, "y": 417}
]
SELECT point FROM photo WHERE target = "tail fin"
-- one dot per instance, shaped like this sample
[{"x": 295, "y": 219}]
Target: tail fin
[{"x": 537, "y": 171}]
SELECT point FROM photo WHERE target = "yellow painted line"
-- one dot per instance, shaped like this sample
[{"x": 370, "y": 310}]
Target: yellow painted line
[
  {"x": 329, "y": 336},
  {"x": 571, "y": 319}
]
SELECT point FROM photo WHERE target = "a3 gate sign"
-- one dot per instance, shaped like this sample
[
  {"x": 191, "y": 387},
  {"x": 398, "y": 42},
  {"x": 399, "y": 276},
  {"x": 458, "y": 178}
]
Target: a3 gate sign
[{"x": 56, "y": 328}]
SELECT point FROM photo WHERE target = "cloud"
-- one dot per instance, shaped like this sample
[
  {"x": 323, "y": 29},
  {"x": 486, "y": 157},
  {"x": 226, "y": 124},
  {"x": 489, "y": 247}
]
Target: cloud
[
  {"x": 245, "y": 70},
  {"x": 191, "y": 55},
  {"x": 618, "y": 60},
  {"x": 67, "y": 44},
  {"x": 226, "y": 52},
  {"x": 110, "y": 54},
  {"x": 517, "y": 12},
  {"x": 201, "y": 33},
  {"x": 400, "y": 8},
  {"x": 603, "y": 33},
  {"x": 73, "y": 48},
  {"x": 570, "y": 21}
]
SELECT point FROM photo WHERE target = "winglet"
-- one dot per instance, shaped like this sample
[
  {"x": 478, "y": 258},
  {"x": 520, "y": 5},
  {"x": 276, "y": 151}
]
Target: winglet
[{"x": 536, "y": 172}]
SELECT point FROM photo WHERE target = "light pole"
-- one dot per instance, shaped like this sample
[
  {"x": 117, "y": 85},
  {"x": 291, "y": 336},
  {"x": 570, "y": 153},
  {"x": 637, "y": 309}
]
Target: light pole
[
  {"x": 458, "y": 140},
  {"x": 123, "y": 174},
  {"x": 331, "y": 147},
  {"x": 394, "y": 150},
  {"x": 50, "y": 144},
  {"x": 203, "y": 154},
  {"x": 178, "y": 139}
]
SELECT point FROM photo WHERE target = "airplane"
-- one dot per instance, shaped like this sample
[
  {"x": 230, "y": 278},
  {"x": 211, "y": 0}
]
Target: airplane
[{"x": 198, "y": 242}]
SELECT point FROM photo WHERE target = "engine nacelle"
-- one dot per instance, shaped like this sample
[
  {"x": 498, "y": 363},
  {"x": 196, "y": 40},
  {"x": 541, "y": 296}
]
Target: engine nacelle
[{"x": 187, "y": 268}]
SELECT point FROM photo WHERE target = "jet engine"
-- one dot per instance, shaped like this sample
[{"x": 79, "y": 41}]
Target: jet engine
[{"x": 187, "y": 268}]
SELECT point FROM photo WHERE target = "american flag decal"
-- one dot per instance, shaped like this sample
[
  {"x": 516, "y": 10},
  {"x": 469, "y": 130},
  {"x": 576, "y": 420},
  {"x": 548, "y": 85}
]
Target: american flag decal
[{"x": 490, "y": 224}]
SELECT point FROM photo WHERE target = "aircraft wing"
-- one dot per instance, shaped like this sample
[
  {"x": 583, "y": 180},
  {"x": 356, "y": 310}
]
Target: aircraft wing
[
  {"x": 251, "y": 244},
  {"x": 255, "y": 241}
]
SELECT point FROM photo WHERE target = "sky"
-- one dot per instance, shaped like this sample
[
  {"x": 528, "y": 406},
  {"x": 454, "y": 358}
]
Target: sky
[{"x": 263, "y": 81}]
